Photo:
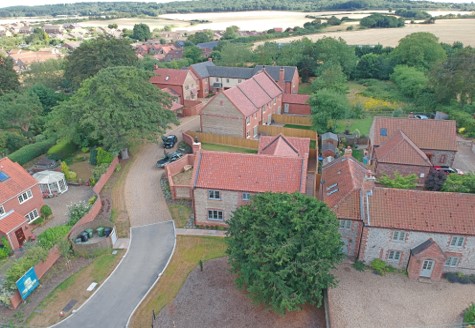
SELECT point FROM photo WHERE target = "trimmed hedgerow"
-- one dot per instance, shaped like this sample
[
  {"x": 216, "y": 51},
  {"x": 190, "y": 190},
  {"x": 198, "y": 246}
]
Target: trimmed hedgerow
[{"x": 29, "y": 152}]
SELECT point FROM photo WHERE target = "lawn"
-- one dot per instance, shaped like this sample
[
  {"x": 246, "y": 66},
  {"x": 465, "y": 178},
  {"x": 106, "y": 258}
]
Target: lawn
[
  {"x": 180, "y": 214},
  {"x": 363, "y": 125},
  {"x": 73, "y": 287},
  {"x": 230, "y": 149},
  {"x": 305, "y": 88},
  {"x": 188, "y": 253},
  {"x": 300, "y": 127}
]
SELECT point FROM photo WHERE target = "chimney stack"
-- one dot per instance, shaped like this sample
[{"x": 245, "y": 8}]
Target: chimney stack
[
  {"x": 348, "y": 152},
  {"x": 369, "y": 181},
  {"x": 196, "y": 145},
  {"x": 281, "y": 81}
]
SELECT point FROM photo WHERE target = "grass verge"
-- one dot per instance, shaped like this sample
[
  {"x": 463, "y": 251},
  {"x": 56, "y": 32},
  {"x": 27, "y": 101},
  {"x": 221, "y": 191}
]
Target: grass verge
[
  {"x": 73, "y": 287},
  {"x": 230, "y": 149},
  {"x": 189, "y": 251},
  {"x": 300, "y": 127},
  {"x": 180, "y": 214},
  {"x": 363, "y": 125}
]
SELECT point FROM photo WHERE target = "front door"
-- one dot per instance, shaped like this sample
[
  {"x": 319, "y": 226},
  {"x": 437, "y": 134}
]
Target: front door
[
  {"x": 20, "y": 236},
  {"x": 427, "y": 267}
]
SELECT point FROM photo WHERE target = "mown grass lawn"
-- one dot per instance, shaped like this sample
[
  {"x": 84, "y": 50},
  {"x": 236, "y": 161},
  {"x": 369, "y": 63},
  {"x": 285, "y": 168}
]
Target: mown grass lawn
[
  {"x": 363, "y": 125},
  {"x": 300, "y": 127},
  {"x": 180, "y": 214},
  {"x": 305, "y": 88},
  {"x": 230, "y": 149},
  {"x": 189, "y": 251}
]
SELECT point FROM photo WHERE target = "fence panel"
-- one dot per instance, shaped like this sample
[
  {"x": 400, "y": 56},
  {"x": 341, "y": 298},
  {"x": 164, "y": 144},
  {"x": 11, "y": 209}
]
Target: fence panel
[
  {"x": 272, "y": 130},
  {"x": 289, "y": 119},
  {"x": 224, "y": 140}
]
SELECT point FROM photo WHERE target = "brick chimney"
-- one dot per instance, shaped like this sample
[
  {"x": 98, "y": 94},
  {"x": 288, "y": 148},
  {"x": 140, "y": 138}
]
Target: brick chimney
[
  {"x": 368, "y": 182},
  {"x": 196, "y": 147},
  {"x": 348, "y": 152},
  {"x": 411, "y": 115},
  {"x": 281, "y": 81}
]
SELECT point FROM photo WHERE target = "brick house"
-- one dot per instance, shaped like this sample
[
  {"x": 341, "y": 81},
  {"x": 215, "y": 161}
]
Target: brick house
[
  {"x": 20, "y": 202},
  {"x": 295, "y": 104},
  {"x": 286, "y": 76},
  {"x": 240, "y": 110},
  {"x": 435, "y": 138},
  {"x": 425, "y": 232},
  {"x": 222, "y": 182},
  {"x": 201, "y": 71},
  {"x": 400, "y": 154},
  {"x": 182, "y": 81}
]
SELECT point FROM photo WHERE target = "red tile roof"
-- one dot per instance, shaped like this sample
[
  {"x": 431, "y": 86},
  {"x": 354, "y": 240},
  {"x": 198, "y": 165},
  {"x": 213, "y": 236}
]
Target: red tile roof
[
  {"x": 429, "y": 211},
  {"x": 249, "y": 172},
  {"x": 284, "y": 146},
  {"x": 399, "y": 149},
  {"x": 426, "y": 134},
  {"x": 19, "y": 179},
  {"x": 169, "y": 76},
  {"x": 340, "y": 186},
  {"x": 249, "y": 96},
  {"x": 10, "y": 221},
  {"x": 293, "y": 98}
]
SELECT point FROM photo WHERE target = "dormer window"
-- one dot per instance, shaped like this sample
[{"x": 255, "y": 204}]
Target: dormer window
[{"x": 3, "y": 176}]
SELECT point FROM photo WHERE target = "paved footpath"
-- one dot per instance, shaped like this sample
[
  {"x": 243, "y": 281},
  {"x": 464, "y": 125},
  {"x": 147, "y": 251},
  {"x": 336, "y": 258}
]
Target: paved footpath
[{"x": 200, "y": 232}]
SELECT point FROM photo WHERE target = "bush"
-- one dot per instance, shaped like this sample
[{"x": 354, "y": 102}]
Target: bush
[
  {"x": 6, "y": 250},
  {"x": 29, "y": 152},
  {"x": 92, "y": 200},
  {"x": 103, "y": 156},
  {"x": 51, "y": 236},
  {"x": 70, "y": 175},
  {"x": 469, "y": 314},
  {"x": 379, "y": 267},
  {"x": 62, "y": 150},
  {"x": 99, "y": 170},
  {"x": 46, "y": 211},
  {"x": 32, "y": 256},
  {"x": 451, "y": 277},
  {"x": 359, "y": 266},
  {"x": 77, "y": 211}
]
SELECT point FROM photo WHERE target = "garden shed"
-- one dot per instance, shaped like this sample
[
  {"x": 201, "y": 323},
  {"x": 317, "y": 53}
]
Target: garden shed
[{"x": 51, "y": 183}]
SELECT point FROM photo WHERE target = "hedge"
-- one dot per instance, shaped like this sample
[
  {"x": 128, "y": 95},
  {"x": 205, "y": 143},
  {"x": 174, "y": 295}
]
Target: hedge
[
  {"x": 62, "y": 150},
  {"x": 51, "y": 236},
  {"x": 29, "y": 152}
]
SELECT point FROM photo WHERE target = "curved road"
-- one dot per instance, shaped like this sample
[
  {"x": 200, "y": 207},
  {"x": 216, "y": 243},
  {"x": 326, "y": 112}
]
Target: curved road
[{"x": 151, "y": 245}]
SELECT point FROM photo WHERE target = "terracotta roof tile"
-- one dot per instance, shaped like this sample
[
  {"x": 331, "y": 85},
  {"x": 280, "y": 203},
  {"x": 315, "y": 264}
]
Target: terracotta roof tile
[
  {"x": 18, "y": 179},
  {"x": 10, "y": 221},
  {"x": 248, "y": 172},
  {"x": 169, "y": 76},
  {"x": 429, "y": 211},
  {"x": 284, "y": 146},
  {"x": 426, "y": 134},
  {"x": 294, "y": 98},
  {"x": 399, "y": 149}
]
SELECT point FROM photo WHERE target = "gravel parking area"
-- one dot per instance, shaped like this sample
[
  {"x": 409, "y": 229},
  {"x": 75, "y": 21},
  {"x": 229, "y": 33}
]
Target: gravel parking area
[
  {"x": 210, "y": 299},
  {"x": 465, "y": 157},
  {"x": 364, "y": 299}
]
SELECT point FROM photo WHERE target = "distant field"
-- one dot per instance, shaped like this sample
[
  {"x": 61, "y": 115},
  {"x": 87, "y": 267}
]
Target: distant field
[
  {"x": 447, "y": 30},
  {"x": 129, "y": 23}
]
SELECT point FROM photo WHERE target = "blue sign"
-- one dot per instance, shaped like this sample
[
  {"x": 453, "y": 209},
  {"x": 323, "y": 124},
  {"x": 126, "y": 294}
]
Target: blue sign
[{"x": 28, "y": 283}]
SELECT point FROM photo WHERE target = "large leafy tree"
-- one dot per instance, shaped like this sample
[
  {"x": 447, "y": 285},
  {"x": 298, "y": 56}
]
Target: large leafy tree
[
  {"x": 48, "y": 73},
  {"x": 331, "y": 76},
  {"x": 8, "y": 77},
  {"x": 141, "y": 32},
  {"x": 327, "y": 107},
  {"x": 421, "y": 49},
  {"x": 410, "y": 80},
  {"x": 283, "y": 247},
  {"x": 201, "y": 37},
  {"x": 92, "y": 56},
  {"x": 336, "y": 51},
  {"x": 116, "y": 107},
  {"x": 19, "y": 110},
  {"x": 460, "y": 183}
]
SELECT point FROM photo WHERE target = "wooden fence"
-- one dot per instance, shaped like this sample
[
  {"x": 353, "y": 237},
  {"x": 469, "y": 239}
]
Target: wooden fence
[
  {"x": 225, "y": 140},
  {"x": 290, "y": 119},
  {"x": 272, "y": 130}
]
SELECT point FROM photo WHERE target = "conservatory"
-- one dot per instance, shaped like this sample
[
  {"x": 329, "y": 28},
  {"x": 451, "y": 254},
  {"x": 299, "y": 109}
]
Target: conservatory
[{"x": 51, "y": 183}]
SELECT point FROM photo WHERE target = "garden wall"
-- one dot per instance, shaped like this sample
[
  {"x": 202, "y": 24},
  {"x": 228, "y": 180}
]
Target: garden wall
[
  {"x": 179, "y": 191},
  {"x": 102, "y": 243}
]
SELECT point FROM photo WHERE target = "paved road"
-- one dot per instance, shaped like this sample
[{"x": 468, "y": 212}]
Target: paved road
[{"x": 111, "y": 306}]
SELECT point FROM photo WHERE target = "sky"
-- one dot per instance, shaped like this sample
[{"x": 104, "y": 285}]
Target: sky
[{"x": 8, "y": 3}]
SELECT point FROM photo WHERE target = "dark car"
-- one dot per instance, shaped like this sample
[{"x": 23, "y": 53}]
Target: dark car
[
  {"x": 169, "y": 158},
  {"x": 169, "y": 141},
  {"x": 447, "y": 169}
]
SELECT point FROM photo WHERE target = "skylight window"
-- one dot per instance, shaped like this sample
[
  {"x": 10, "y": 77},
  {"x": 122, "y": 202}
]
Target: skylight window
[
  {"x": 332, "y": 192},
  {"x": 332, "y": 186},
  {"x": 383, "y": 132},
  {"x": 3, "y": 176}
]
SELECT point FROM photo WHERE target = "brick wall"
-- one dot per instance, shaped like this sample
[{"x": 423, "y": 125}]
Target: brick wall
[
  {"x": 106, "y": 176},
  {"x": 26, "y": 207},
  {"x": 172, "y": 169},
  {"x": 298, "y": 109},
  {"x": 441, "y": 157},
  {"x": 221, "y": 117},
  {"x": 416, "y": 262},
  {"x": 351, "y": 238},
  {"x": 192, "y": 107},
  {"x": 390, "y": 168}
]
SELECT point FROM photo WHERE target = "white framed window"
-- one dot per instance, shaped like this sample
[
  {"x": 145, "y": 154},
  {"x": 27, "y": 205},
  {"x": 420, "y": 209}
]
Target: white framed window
[
  {"x": 227, "y": 80},
  {"x": 215, "y": 215},
  {"x": 248, "y": 120},
  {"x": 2, "y": 210},
  {"x": 457, "y": 241},
  {"x": 214, "y": 194},
  {"x": 247, "y": 134},
  {"x": 25, "y": 196},
  {"x": 256, "y": 131},
  {"x": 452, "y": 261},
  {"x": 246, "y": 196},
  {"x": 345, "y": 224},
  {"x": 33, "y": 215},
  {"x": 394, "y": 255},
  {"x": 399, "y": 235}
]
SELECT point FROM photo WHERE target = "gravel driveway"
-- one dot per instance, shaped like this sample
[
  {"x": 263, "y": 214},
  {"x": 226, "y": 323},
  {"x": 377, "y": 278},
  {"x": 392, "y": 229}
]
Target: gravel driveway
[
  {"x": 465, "y": 157},
  {"x": 363, "y": 299}
]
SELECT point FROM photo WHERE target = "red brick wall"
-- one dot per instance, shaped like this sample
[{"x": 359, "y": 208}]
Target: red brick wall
[
  {"x": 106, "y": 176},
  {"x": 299, "y": 109},
  {"x": 294, "y": 86},
  {"x": 26, "y": 207},
  {"x": 187, "y": 139},
  {"x": 415, "y": 264},
  {"x": 389, "y": 169},
  {"x": 12, "y": 237},
  {"x": 177, "y": 89},
  {"x": 179, "y": 191},
  {"x": 192, "y": 107}
]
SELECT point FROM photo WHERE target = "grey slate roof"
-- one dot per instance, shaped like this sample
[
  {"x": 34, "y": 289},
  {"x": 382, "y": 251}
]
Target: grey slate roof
[
  {"x": 274, "y": 71},
  {"x": 202, "y": 68},
  {"x": 231, "y": 72},
  {"x": 422, "y": 247},
  {"x": 207, "y": 45}
]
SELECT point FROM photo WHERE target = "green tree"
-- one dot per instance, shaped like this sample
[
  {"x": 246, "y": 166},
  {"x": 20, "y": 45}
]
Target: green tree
[
  {"x": 193, "y": 53},
  {"x": 92, "y": 56},
  {"x": 235, "y": 54},
  {"x": 48, "y": 73},
  {"x": 19, "y": 110},
  {"x": 282, "y": 248},
  {"x": 336, "y": 51},
  {"x": 141, "y": 32},
  {"x": 455, "y": 78},
  {"x": 331, "y": 77},
  {"x": 230, "y": 33},
  {"x": 112, "y": 26},
  {"x": 39, "y": 36},
  {"x": 267, "y": 53},
  {"x": 460, "y": 183},
  {"x": 435, "y": 180},
  {"x": 374, "y": 66},
  {"x": 8, "y": 76},
  {"x": 327, "y": 107},
  {"x": 47, "y": 96},
  {"x": 201, "y": 37},
  {"x": 420, "y": 49},
  {"x": 410, "y": 80},
  {"x": 116, "y": 107},
  {"x": 399, "y": 181},
  {"x": 381, "y": 21}
]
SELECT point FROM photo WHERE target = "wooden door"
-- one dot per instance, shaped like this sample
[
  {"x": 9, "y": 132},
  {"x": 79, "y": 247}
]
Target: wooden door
[{"x": 20, "y": 236}]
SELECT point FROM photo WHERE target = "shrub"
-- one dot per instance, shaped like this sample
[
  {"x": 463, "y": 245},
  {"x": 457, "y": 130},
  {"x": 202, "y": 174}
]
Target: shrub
[
  {"x": 77, "y": 211},
  {"x": 359, "y": 266},
  {"x": 29, "y": 152},
  {"x": 6, "y": 250},
  {"x": 103, "y": 156},
  {"x": 451, "y": 277},
  {"x": 70, "y": 175},
  {"x": 99, "y": 170},
  {"x": 46, "y": 211},
  {"x": 379, "y": 267},
  {"x": 92, "y": 200},
  {"x": 51, "y": 236},
  {"x": 469, "y": 314},
  {"x": 32, "y": 256},
  {"x": 62, "y": 150}
]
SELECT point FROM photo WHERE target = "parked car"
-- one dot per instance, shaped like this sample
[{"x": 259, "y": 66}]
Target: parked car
[
  {"x": 447, "y": 169},
  {"x": 169, "y": 158},
  {"x": 169, "y": 141},
  {"x": 421, "y": 117}
]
